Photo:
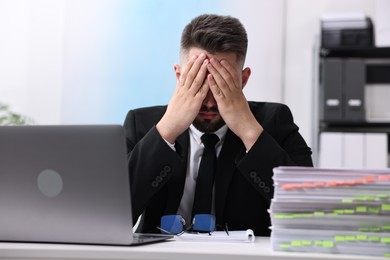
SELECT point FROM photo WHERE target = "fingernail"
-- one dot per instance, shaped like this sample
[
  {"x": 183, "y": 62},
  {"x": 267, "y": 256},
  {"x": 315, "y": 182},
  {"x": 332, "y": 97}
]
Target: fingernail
[{"x": 202, "y": 55}]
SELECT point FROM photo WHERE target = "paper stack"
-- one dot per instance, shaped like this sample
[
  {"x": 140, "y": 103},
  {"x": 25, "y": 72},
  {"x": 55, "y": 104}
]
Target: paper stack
[{"x": 343, "y": 211}]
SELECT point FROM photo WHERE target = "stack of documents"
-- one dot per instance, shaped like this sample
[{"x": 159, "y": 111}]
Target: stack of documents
[{"x": 344, "y": 211}]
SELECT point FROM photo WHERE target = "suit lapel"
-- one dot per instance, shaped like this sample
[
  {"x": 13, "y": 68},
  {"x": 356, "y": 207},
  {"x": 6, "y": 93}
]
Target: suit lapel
[
  {"x": 225, "y": 170},
  {"x": 182, "y": 145},
  {"x": 176, "y": 185}
]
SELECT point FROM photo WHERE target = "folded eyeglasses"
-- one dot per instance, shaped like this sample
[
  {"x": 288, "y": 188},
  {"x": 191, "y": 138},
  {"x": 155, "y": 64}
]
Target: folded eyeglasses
[{"x": 175, "y": 224}]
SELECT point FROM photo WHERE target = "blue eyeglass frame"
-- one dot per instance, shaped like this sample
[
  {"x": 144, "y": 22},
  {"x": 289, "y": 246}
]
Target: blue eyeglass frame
[{"x": 174, "y": 224}]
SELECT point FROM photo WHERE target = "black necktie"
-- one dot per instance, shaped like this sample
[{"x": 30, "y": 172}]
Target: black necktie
[{"x": 206, "y": 172}]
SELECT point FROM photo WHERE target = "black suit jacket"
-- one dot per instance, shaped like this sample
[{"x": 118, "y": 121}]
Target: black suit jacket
[{"x": 243, "y": 182}]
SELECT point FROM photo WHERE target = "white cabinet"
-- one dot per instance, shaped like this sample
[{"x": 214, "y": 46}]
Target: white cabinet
[{"x": 353, "y": 150}]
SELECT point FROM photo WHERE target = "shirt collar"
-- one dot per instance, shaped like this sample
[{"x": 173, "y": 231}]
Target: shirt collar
[{"x": 196, "y": 134}]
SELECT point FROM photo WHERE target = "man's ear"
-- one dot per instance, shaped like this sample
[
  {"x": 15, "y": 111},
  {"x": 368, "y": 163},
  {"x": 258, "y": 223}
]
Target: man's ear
[
  {"x": 176, "y": 68},
  {"x": 245, "y": 76}
]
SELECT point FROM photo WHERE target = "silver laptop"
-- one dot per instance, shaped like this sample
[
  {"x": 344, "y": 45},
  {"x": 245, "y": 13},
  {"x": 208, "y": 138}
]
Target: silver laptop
[{"x": 66, "y": 184}]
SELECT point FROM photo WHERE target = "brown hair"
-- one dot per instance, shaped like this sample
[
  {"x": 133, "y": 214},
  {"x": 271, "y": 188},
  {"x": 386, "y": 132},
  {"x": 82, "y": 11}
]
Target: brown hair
[{"x": 215, "y": 34}]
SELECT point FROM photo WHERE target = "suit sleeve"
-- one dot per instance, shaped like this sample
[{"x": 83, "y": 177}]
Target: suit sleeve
[
  {"x": 280, "y": 144},
  {"x": 152, "y": 163}
]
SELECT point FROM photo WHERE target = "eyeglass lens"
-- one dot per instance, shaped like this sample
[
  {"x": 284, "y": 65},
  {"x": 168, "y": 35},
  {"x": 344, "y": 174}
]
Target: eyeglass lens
[
  {"x": 174, "y": 224},
  {"x": 204, "y": 223}
]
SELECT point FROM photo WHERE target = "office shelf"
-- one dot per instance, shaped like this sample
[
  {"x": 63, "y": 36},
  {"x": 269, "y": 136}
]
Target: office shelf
[{"x": 350, "y": 86}]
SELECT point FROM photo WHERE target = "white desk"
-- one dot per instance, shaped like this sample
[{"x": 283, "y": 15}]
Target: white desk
[{"x": 260, "y": 250}]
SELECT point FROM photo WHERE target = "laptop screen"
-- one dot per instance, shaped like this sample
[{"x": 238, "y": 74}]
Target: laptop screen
[{"x": 66, "y": 184}]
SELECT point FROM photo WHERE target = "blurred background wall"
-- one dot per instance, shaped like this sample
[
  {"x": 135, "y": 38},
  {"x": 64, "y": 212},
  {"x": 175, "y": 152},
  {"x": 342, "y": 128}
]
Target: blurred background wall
[{"x": 90, "y": 61}]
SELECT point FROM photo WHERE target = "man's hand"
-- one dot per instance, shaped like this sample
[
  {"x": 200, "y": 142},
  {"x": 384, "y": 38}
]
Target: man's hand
[
  {"x": 187, "y": 99},
  {"x": 226, "y": 85}
]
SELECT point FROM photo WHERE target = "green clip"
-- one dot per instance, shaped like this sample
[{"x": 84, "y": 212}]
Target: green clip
[
  {"x": 364, "y": 229},
  {"x": 375, "y": 229},
  {"x": 303, "y": 215},
  {"x": 328, "y": 244},
  {"x": 348, "y": 211},
  {"x": 383, "y": 196},
  {"x": 373, "y": 210},
  {"x": 359, "y": 199},
  {"x": 349, "y": 238},
  {"x": 386, "y": 228},
  {"x": 385, "y": 240},
  {"x": 361, "y": 209},
  {"x": 374, "y": 238},
  {"x": 296, "y": 243},
  {"x": 279, "y": 215},
  {"x": 361, "y": 237},
  {"x": 284, "y": 246},
  {"x": 385, "y": 207}
]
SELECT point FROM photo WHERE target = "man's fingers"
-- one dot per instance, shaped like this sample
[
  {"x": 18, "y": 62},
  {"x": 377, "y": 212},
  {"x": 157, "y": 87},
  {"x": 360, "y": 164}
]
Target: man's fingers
[
  {"x": 200, "y": 78},
  {"x": 193, "y": 72},
  {"x": 202, "y": 93},
  {"x": 217, "y": 78},
  {"x": 232, "y": 72},
  {"x": 217, "y": 93},
  {"x": 183, "y": 76}
]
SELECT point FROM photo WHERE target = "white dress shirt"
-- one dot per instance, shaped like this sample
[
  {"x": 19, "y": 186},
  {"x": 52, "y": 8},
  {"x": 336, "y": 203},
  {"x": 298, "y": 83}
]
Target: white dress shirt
[{"x": 195, "y": 153}]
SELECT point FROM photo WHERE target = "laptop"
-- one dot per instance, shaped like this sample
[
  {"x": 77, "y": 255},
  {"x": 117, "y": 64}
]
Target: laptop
[{"x": 66, "y": 184}]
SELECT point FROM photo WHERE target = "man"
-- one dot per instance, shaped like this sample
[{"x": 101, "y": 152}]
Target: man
[{"x": 165, "y": 146}]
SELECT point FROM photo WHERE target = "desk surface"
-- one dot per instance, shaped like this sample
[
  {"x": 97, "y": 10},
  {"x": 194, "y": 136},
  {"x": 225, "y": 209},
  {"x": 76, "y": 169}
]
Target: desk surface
[{"x": 260, "y": 250}]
